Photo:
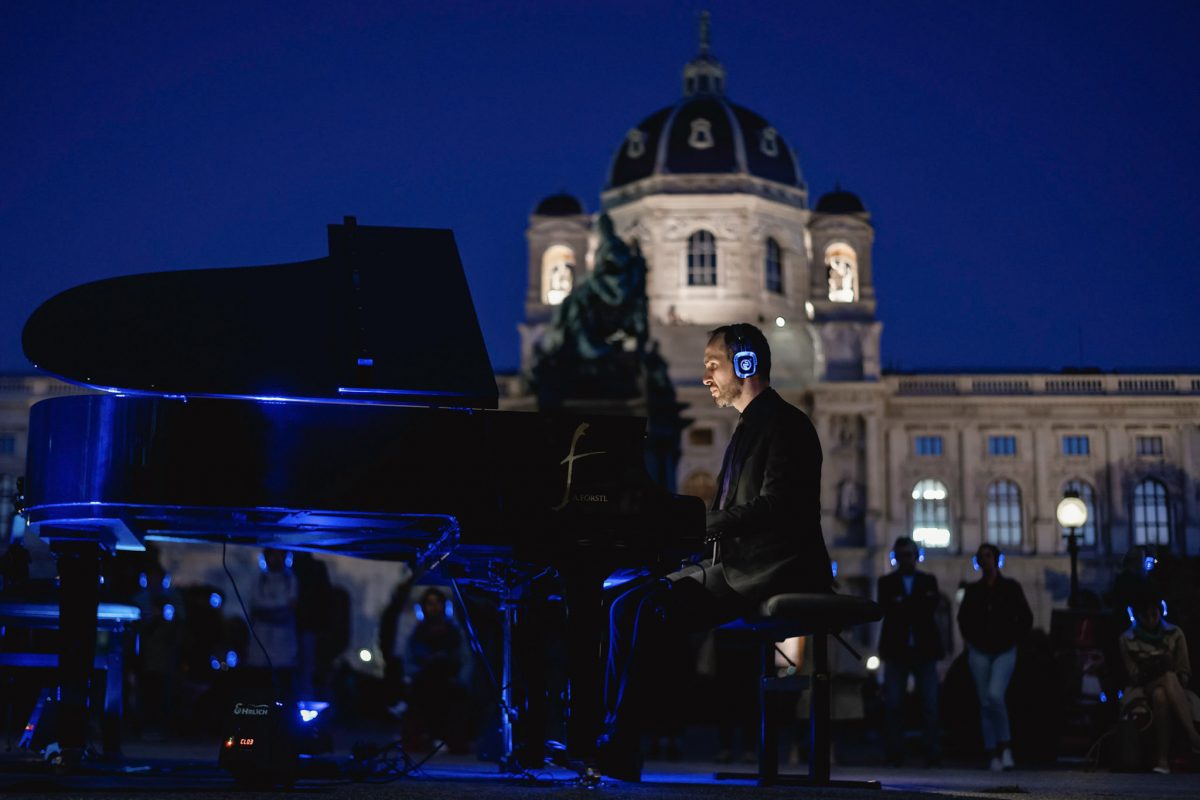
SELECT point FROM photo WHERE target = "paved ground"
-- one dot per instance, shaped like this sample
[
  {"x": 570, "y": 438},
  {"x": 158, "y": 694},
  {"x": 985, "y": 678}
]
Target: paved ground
[{"x": 183, "y": 772}]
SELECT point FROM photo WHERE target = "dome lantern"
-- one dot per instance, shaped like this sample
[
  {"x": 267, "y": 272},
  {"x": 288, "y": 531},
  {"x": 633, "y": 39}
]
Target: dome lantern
[{"x": 704, "y": 74}]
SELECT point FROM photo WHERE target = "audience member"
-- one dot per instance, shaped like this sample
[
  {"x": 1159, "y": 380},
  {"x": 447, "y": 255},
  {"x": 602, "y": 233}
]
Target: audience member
[
  {"x": 160, "y": 635},
  {"x": 395, "y": 628},
  {"x": 1155, "y": 655},
  {"x": 994, "y": 617},
  {"x": 910, "y": 644},
  {"x": 313, "y": 615},
  {"x": 437, "y": 705},
  {"x": 273, "y": 617}
]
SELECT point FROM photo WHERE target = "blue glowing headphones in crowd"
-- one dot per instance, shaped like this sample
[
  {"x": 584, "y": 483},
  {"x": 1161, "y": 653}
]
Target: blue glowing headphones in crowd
[
  {"x": 1133, "y": 619},
  {"x": 999, "y": 558},
  {"x": 745, "y": 360},
  {"x": 920, "y": 556}
]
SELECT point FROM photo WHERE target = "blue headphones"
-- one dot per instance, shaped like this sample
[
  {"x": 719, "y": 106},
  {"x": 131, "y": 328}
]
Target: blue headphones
[
  {"x": 999, "y": 560},
  {"x": 745, "y": 360},
  {"x": 920, "y": 556},
  {"x": 1133, "y": 619}
]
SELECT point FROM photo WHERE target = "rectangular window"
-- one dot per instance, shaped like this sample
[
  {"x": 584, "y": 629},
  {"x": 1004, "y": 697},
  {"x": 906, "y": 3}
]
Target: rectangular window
[
  {"x": 701, "y": 437},
  {"x": 1075, "y": 446},
  {"x": 1002, "y": 445},
  {"x": 928, "y": 445},
  {"x": 1149, "y": 446},
  {"x": 8, "y": 444}
]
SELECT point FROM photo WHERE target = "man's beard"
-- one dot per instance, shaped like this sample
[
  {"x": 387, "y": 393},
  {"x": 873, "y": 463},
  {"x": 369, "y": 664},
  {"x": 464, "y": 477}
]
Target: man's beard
[{"x": 726, "y": 396}]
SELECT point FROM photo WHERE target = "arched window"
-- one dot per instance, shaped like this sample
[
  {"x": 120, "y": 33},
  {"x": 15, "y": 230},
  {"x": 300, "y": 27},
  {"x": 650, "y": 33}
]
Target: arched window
[
  {"x": 702, "y": 259},
  {"x": 1086, "y": 532},
  {"x": 1003, "y": 518},
  {"x": 700, "y": 484},
  {"x": 774, "y": 267},
  {"x": 1151, "y": 514},
  {"x": 841, "y": 264},
  {"x": 931, "y": 514},
  {"x": 558, "y": 274}
]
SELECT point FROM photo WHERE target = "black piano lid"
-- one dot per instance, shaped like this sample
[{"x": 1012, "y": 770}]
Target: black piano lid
[{"x": 386, "y": 316}]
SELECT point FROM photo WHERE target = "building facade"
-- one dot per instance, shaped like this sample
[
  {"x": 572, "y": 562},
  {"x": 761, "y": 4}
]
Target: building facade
[{"x": 714, "y": 198}]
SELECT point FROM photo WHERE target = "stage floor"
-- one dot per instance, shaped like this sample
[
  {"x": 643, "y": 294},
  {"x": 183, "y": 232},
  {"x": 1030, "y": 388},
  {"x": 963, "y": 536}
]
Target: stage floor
[{"x": 182, "y": 771}]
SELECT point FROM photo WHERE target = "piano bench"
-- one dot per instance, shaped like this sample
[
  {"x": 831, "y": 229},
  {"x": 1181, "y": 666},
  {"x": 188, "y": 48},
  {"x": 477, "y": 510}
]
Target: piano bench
[{"x": 782, "y": 617}]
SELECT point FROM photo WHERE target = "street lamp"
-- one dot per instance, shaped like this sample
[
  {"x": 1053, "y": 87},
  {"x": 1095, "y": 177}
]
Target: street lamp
[{"x": 1072, "y": 514}]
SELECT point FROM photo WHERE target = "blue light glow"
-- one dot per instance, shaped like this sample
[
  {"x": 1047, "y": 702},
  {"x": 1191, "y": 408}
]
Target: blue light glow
[
  {"x": 834, "y": 565},
  {"x": 214, "y": 663},
  {"x": 166, "y": 581},
  {"x": 1103, "y": 697},
  {"x": 1149, "y": 563},
  {"x": 143, "y": 581},
  {"x": 262, "y": 562},
  {"x": 287, "y": 560},
  {"x": 215, "y": 600},
  {"x": 623, "y": 576},
  {"x": 1164, "y": 606},
  {"x": 420, "y": 612},
  {"x": 168, "y": 612},
  {"x": 231, "y": 659},
  {"x": 310, "y": 709}
]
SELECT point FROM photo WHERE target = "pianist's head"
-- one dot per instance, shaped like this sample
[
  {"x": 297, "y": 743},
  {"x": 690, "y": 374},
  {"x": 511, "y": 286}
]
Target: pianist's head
[{"x": 730, "y": 343}]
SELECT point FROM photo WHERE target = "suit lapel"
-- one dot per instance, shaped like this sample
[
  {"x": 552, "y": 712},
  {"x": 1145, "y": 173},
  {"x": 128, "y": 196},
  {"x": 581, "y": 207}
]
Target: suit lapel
[{"x": 744, "y": 445}]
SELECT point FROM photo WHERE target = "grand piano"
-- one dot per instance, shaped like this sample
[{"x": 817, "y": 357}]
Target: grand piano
[{"x": 341, "y": 405}]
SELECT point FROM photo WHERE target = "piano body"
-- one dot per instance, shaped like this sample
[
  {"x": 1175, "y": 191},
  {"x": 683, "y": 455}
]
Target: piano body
[{"x": 342, "y": 405}]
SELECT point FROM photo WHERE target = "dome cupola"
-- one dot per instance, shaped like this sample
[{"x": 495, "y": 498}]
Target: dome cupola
[{"x": 704, "y": 143}]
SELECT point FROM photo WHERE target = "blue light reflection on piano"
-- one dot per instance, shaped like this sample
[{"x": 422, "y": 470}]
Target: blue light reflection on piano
[{"x": 348, "y": 394}]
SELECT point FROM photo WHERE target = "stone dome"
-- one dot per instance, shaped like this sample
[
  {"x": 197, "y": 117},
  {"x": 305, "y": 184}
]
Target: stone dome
[
  {"x": 559, "y": 205},
  {"x": 704, "y": 133},
  {"x": 840, "y": 201}
]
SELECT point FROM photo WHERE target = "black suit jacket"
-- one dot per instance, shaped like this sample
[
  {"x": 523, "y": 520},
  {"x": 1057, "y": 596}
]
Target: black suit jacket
[
  {"x": 771, "y": 522},
  {"x": 906, "y": 615}
]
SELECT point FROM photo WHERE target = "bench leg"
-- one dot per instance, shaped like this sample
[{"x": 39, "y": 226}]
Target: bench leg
[{"x": 820, "y": 749}]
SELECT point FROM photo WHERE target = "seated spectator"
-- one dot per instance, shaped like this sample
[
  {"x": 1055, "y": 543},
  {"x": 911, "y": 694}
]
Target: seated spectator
[
  {"x": 1156, "y": 657},
  {"x": 438, "y": 697}
]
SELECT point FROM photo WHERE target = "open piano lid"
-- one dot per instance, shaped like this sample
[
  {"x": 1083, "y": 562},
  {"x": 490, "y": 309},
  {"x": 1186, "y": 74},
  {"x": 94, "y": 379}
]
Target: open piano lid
[{"x": 386, "y": 316}]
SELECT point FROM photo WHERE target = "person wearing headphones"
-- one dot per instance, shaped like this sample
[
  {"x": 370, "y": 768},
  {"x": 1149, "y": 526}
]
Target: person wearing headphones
[
  {"x": 764, "y": 527},
  {"x": 994, "y": 617},
  {"x": 1155, "y": 655},
  {"x": 909, "y": 644}
]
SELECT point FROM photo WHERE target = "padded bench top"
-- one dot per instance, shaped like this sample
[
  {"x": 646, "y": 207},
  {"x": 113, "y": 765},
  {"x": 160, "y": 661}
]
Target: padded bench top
[{"x": 798, "y": 614}]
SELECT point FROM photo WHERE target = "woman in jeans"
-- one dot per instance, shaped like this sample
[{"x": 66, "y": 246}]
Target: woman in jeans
[{"x": 993, "y": 618}]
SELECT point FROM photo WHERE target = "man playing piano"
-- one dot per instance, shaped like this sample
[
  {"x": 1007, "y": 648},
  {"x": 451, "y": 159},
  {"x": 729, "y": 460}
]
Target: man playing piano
[{"x": 764, "y": 527}]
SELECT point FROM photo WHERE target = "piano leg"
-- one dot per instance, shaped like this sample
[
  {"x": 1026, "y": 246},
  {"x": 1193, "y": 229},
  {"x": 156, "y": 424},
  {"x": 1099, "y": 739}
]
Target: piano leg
[
  {"x": 583, "y": 592},
  {"x": 79, "y": 597}
]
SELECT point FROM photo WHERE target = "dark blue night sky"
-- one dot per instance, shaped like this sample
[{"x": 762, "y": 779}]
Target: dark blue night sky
[{"x": 1031, "y": 167}]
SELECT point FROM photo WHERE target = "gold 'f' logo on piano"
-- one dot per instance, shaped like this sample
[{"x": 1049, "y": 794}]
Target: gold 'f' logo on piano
[{"x": 570, "y": 462}]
